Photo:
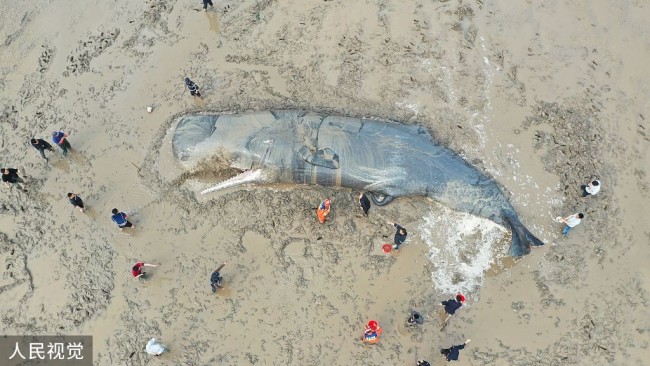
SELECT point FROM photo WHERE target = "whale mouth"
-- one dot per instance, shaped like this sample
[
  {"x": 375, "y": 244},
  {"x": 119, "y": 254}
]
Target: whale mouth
[{"x": 216, "y": 168}]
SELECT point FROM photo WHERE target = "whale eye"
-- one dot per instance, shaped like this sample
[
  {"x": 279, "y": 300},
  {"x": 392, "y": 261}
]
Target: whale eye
[{"x": 326, "y": 158}]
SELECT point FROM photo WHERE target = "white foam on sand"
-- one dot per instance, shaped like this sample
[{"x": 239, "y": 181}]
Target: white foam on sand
[{"x": 462, "y": 247}]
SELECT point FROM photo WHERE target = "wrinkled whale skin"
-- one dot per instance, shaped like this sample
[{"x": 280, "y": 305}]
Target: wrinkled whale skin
[{"x": 385, "y": 158}]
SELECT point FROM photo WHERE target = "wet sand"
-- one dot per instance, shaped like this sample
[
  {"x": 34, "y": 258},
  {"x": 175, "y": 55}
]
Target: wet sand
[{"x": 543, "y": 97}]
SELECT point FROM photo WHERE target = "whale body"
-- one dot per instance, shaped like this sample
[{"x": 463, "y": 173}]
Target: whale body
[{"x": 385, "y": 158}]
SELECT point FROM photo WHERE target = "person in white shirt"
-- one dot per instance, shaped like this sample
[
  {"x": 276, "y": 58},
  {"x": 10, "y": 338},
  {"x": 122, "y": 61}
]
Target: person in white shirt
[
  {"x": 591, "y": 188},
  {"x": 154, "y": 348},
  {"x": 571, "y": 222}
]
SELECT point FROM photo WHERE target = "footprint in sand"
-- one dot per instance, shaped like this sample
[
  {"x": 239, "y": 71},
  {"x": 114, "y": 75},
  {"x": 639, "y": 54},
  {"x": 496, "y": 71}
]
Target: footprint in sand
[
  {"x": 199, "y": 102},
  {"x": 225, "y": 291},
  {"x": 212, "y": 20},
  {"x": 62, "y": 163},
  {"x": 402, "y": 329},
  {"x": 73, "y": 157},
  {"x": 91, "y": 212},
  {"x": 78, "y": 158}
]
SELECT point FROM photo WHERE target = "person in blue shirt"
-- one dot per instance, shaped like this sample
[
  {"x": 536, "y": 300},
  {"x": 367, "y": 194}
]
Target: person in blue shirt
[
  {"x": 452, "y": 354},
  {"x": 400, "y": 235},
  {"x": 120, "y": 218},
  {"x": 60, "y": 138}
]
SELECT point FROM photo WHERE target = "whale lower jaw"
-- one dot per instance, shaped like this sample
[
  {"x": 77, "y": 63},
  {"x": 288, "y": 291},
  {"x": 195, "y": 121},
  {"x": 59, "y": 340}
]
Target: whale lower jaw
[{"x": 249, "y": 176}]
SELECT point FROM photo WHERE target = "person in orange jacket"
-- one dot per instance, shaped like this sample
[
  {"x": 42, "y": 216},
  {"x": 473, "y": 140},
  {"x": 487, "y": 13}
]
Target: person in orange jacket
[
  {"x": 323, "y": 210},
  {"x": 372, "y": 332}
]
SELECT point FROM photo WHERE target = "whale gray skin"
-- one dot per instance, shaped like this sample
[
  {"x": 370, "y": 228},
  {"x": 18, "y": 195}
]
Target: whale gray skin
[{"x": 385, "y": 158}]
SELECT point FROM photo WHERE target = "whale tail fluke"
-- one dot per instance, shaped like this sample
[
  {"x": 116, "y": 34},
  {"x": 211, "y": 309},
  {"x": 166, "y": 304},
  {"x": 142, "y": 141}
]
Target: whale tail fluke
[{"x": 522, "y": 239}]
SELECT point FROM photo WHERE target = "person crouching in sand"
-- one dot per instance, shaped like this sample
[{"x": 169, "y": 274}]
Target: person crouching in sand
[
  {"x": 415, "y": 319},
  {"x": 136, "y": 270},
  {"x": 323, "y": 210},
  {"x": 372, "y": 332},
  {"x": 400, "y": 235},
  {"x": 216, "y": 278}
]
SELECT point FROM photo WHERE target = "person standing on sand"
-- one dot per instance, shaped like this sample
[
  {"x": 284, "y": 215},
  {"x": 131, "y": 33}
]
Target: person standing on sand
[
  {"x": 400, "y": 235},
  {"x": 423, "y": 363},
  {"x": 452, "y": 354},
  {"x": 76, "y": 201},
  {"x": 120, "y": 218},
  {"x": 206, "y": 3},
  {"x": 192, "y": 87},
  {"x": 61, "y": 139},
  {"x": 137, "y": 272},
  {"x": 41, "y": 145},
  {"x": 591, "y": 189},
  {"x": 323, "y": 210},
  {"x": 12, "y": 176},
  {"x": 452, "y": 305},
  {"x": 216, "y": 278},
  {"x": 364, "y": 202},
  {"x": 571, "y": 222}
]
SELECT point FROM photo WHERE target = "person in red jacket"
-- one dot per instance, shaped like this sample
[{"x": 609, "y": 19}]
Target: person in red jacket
[{"x": 137, "y": 272}]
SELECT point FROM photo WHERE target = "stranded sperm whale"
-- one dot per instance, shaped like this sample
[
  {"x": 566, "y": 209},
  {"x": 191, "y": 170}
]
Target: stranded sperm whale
[{"x": 387, "y": 159}]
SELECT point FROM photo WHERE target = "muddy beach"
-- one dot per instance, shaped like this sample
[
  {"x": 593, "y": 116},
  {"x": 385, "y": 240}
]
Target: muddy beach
[{"x": 541, "y": 97}]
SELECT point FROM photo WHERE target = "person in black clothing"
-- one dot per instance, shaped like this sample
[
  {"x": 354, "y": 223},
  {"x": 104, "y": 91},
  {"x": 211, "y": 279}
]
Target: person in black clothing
[
  {"x": 192, "y": 87},
  {"x": 423, "y": 363},
  {"x": 41, "y": 145},
  {"x": 216, "y": 278},
  {"x": 452, "y": 354},
  {"x": 452, "y": 305},
  {"x": 364, "y": 202},
  {"x": 205, "y": 5},
  {"x": 415, "y": 318},
  {"x": 400, "y": 235},
  {"x": 76, "y": 201},
  {"x": 12, "y": 176}
]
